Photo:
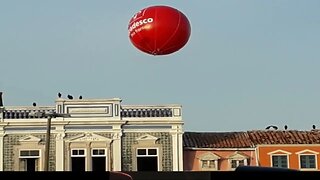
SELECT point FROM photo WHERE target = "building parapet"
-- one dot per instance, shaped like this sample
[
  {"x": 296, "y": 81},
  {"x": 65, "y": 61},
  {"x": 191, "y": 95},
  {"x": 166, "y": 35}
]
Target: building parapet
[
  {"x": 86, "y": 108},
  {"x": 143, "y": 111},
  {"x": 23, "y": 112}
]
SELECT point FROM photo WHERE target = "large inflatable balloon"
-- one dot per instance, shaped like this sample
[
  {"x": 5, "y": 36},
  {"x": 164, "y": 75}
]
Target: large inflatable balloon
[{"x": 159, "y": 30}]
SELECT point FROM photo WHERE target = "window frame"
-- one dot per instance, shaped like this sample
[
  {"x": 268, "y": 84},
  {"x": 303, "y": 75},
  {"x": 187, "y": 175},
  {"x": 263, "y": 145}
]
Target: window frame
[
  {"x": 99, "y": 155},
  {"x": 315, "y": 161},
  {"x": 22, "y": 157},
  {"x": 82, "y": 155},
  {"x": 208, "y": 157},
  {"x": 238, "y": 156},
  {"x": 147, "y": 151},
  {"x": 158, "y": 156},
  {"x": 284, "y": 155},
  {"x": 208, "y": 168},
  {"x": 245, "y": 162}
]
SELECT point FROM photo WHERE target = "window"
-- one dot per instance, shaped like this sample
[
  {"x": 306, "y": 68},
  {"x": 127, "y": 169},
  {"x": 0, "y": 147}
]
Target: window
[
  {"x": 29, "y": 153},
  {"x": 238, "y": 159},
  {"x": 147, "y": 159},
  {"x": 280, "y": 161},
  {"x": 308, "y": 161},
  {"x": 78, "y": 160},
  {"x": 78, "y": 152},
  {"x": 236, "y": 163},
  {"x": 88, "y": 152},
  {"x": 99, "y": 159},
  {"x": 209, "y": 161},
  {"x": 98, "y": 152},
  {"x": 208, "y": 164},
  {"x": 147, "y": 154},
  {"x": 29, "y": 160}
]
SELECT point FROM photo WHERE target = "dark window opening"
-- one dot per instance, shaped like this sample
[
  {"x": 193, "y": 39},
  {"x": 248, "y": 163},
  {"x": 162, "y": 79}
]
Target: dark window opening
[
  {"x": 31, "y": 164},
  {"x": 78, "y": 152},
  {"x": 29, "y": 153},
  {"x": 28, "y": 164},
  {"x": 147, "y": 163},
  {"x": 142, "y": 152},
  {"x": 152, "y": 151},
  {"x": 78, "y": 164},
  {"x": 98, "y": 163}
]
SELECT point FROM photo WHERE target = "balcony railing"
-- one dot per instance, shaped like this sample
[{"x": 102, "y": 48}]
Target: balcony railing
[{"x": 147, "y": 112}]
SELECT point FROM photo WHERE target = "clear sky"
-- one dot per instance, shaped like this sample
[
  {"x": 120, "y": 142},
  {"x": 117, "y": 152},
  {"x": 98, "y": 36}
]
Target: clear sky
[{"x": 248, "y": 64}]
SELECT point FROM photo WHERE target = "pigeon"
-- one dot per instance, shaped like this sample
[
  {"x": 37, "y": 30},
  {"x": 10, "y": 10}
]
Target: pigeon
[
  {"x": 274, "y": 127},
  {"x": 70, "y": 97}
]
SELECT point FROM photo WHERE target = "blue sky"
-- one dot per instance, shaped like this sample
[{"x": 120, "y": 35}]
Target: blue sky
[{"x": 248, "y": 64}]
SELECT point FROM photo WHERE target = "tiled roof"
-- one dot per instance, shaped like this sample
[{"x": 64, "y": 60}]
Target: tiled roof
[
  {"x": 285, "y": 137},
  {"x": 217, "y": 140},
  {"x": 249, "y": 138}
]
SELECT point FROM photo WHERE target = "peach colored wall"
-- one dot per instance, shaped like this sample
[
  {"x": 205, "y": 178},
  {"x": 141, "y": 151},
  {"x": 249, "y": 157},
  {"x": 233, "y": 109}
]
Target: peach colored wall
[
  {"x": 265, "y": 158},
  {"x": 191, "y": 161}
]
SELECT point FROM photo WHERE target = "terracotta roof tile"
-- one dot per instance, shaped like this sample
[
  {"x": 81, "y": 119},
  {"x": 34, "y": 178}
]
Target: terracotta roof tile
[
  {"x": 249, "y": 138},
  {"x": 284, "y": 137},
  {"x": 217, "y": 140}
]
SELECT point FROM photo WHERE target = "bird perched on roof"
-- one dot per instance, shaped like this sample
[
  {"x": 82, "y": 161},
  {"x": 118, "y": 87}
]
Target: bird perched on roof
[
  {"x": 59, "y": 95},
  {"x": 80, "y": 97},
  {"x": 34, "y": 104},
  {"x": 285, "y": 127},
  {"x": 313, "y": 126},
  {"x": 69, "y": 96},
  {"x": 272, "y": 126}
]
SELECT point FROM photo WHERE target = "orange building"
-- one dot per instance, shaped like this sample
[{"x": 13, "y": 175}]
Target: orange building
[
  {"x": 222, "y": 151},
  {"x": 288, "y": 149}
]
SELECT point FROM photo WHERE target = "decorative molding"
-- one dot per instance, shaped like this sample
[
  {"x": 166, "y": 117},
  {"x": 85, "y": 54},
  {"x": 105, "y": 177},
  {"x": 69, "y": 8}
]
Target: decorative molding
[
  {"x": 238, "y": 156},
  {"x": 86, "y": 110},
  {"x": 60, "y": 136},
  {"x": 176, "y": 112},
  {"x": 156, "y": 127},
  {"x": 279, "y": 152},
  {"x": 116, "y": 135},
  {"x": 29, "y": 139},
  {"x": 209, "y": 156},
  {"x": 147, "y": 137},
  {"x": 90, "y": 127},
  {"x": 85, "y": 137},
  {"x": 307, "y": 152}
]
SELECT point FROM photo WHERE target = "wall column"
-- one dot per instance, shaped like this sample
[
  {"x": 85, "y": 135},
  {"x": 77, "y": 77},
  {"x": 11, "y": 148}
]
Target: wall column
[
  {"x": 175, "y": 149},
  {"x": 60, "y": 148},
  {"x": 116, "y": 151},
  {"x": 180, "y": 151},
  {"x": 2, "y": 134}
]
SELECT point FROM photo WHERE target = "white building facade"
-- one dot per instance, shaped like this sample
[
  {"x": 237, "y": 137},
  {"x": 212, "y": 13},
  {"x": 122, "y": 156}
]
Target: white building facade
[{"x": 97, "y": 135}]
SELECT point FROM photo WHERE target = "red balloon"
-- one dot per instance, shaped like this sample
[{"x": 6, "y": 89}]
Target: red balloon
[{"x": 159, "y": 30}]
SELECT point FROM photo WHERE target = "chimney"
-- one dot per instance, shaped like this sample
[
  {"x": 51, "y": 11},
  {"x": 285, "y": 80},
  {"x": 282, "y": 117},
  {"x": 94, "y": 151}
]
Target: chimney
[{"x": 1, "y": 102}]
